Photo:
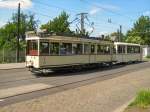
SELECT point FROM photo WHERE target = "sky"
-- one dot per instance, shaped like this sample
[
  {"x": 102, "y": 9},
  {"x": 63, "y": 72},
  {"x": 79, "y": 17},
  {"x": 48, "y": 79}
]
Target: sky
[{"x": 119, "y": 12}]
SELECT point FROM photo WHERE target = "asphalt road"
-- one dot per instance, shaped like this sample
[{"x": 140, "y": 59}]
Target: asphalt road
[{"x": 60, "y": 80}]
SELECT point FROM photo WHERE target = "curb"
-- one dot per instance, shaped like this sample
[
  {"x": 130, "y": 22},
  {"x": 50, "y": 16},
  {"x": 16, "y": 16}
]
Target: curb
[
  {"x": 124, "y": 106},
  {"x": 13, "y": 68},
  {"x": 9, "y": 66}
]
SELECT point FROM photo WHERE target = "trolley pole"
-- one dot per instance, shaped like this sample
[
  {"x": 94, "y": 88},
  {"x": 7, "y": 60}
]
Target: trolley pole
[{"x": 18, "y": 33}]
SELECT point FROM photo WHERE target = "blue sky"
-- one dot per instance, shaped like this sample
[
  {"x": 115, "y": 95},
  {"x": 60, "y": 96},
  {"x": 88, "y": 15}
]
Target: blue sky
[{"x": 121, "y": 12}]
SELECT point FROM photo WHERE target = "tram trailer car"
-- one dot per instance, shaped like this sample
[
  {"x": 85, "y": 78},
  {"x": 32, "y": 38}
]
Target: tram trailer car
[
  {"x": 128, "y": 52},
  {"x": 53, "y": 52}
]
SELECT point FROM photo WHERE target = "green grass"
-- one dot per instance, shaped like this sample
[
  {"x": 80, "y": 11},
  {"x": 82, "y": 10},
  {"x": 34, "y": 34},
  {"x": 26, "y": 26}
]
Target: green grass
[
  {"x": 142, "y": 100},
  {"x": 146, "y": 59}
]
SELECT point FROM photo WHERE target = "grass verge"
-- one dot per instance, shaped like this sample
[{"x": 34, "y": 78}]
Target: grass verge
[{"x": 142, "y": 100}]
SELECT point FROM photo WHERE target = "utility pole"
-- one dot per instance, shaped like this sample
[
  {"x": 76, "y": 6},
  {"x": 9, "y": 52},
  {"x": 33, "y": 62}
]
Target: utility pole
[
  {"x": 120, "y": 33},
  {"x": 82, "y": 17},
  {"x": 18, "y": 34}
]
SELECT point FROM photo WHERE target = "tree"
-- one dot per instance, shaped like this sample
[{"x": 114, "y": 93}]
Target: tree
[
  {"x": 8, "y": 33},
  {"x": 27, "y": 23},
  {"x": 139, "y": 33},
  {"x": 135, "y": 39},
  {"x": 58, "y": 25},
  {"x": 115, "y": 36}
]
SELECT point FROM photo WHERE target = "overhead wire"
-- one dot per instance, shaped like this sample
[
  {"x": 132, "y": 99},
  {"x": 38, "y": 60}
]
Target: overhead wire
[
  {"x": 54, "y": 6},
  {"x": 105, "y": 9}
]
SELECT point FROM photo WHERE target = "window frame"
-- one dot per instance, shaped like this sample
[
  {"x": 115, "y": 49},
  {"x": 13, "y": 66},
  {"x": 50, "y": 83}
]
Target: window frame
[
  {"x": 66, "y": 50},
  {"x": 52, "y": 46},
  {"x": 48, "y": 49},
  {"x": 29, "y": 48}
]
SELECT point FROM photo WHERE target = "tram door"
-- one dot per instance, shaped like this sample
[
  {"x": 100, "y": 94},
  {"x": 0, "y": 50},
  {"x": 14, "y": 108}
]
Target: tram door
[
  {"x": 120, "y": 53},
  {"x": 44, "y": 50},
  {"x": 93, "y": 54}
]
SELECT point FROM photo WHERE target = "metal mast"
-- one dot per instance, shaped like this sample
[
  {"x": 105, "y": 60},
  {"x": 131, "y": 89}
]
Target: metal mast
[{"x": 18, "y": 33}]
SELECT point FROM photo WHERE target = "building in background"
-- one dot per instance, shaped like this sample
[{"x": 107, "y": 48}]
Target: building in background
[{"x": 146, "y": 51}]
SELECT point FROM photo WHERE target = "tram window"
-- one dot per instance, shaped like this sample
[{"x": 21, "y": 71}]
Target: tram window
[
  {"x": 44, "y": 48},
  {"x": 137, "y": 49},
  {"x": 121, "y": 49},
  {"x": 77, "y": 48},
  {"x": 54, "y": 48},
  {"x": 86, "y": 48},
  {"x": 130, "y": 49},
  {"x": 106, "y": 49},
  {"x": 92, "y": 49},
  {"x": 66, "y": 49},
  {"x": 74, "y": 48},
  {"x": 100, "y": 49},
  {"x": 114, "y": 50},
  {"x": 32, "y": 47}
]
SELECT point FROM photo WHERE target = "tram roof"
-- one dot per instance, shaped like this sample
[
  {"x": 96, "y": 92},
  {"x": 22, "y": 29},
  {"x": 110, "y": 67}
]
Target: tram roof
[
  {"x": 34, "y": 36},
  {"x": 123, "y": 43}
]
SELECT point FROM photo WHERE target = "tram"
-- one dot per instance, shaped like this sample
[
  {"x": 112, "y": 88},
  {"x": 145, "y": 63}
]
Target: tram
[
  {"x": 51, "y": 51},
  {"x": 128, "y": 52},
  {"x": 45, "y": 51}
]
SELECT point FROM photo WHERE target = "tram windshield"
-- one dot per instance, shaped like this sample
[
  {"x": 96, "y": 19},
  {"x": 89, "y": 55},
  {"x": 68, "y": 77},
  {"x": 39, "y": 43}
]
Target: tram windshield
[{"x": 32, "y": 47}]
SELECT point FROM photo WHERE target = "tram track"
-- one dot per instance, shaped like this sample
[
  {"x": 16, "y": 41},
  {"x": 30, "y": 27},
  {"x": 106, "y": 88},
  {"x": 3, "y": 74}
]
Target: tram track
[
  {"x": 76, "y": 81},
  {"x": 22, "y": 77},
  {"x": 46, "y": 78}
]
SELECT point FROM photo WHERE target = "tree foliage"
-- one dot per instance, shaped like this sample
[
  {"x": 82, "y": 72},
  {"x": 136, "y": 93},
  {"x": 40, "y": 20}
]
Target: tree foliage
[
  {"x": 140, "y": 33},
  {"x": 27, "y": 23},
  {"x": 8, "y": 33},
  {"x": 116, "y": 35},
  {"x": 58, "y": 25}
]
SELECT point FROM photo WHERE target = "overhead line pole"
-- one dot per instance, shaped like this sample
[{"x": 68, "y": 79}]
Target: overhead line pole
[
  {"x": 82, "y": 17},
  {"x": 120, "y": 33},
  {"x": 18, "y": 34}
]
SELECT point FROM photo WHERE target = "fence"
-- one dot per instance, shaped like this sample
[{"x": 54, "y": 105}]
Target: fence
[{"x": 9, "y": 56}]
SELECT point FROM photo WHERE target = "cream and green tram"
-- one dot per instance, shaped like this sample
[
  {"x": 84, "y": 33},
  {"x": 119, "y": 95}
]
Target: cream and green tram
[
  {"x": 51, "y": 51},
  {"x": 128, "y": 52}
]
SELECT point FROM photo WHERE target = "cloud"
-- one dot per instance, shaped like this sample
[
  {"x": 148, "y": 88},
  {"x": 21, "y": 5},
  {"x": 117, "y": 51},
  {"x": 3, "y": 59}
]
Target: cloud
[
  {"x": 109, "y": 7},
  {"x": 101, "y": 7},
  {"x": 2, "y": 23},
  {"x": 146, "y": 13},
  {"x": 103, "y": 33},
  {"x": 94, "y": 10},
  {"x": 13, "y": 4}
]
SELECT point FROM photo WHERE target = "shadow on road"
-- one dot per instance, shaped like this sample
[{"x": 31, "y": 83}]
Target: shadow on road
[{"x": 83, "y": 71}]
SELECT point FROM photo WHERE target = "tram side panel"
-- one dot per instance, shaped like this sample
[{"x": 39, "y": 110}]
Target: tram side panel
[
  {"x": 60, "y": 61},
  {"x": 57, "y": 61},
  {"x": 103, "y": 58},
  {"x": 132, "y": 57}
]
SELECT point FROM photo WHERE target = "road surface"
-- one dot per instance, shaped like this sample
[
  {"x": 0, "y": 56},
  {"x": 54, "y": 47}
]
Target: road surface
[{"x": 37, "y": 85}]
